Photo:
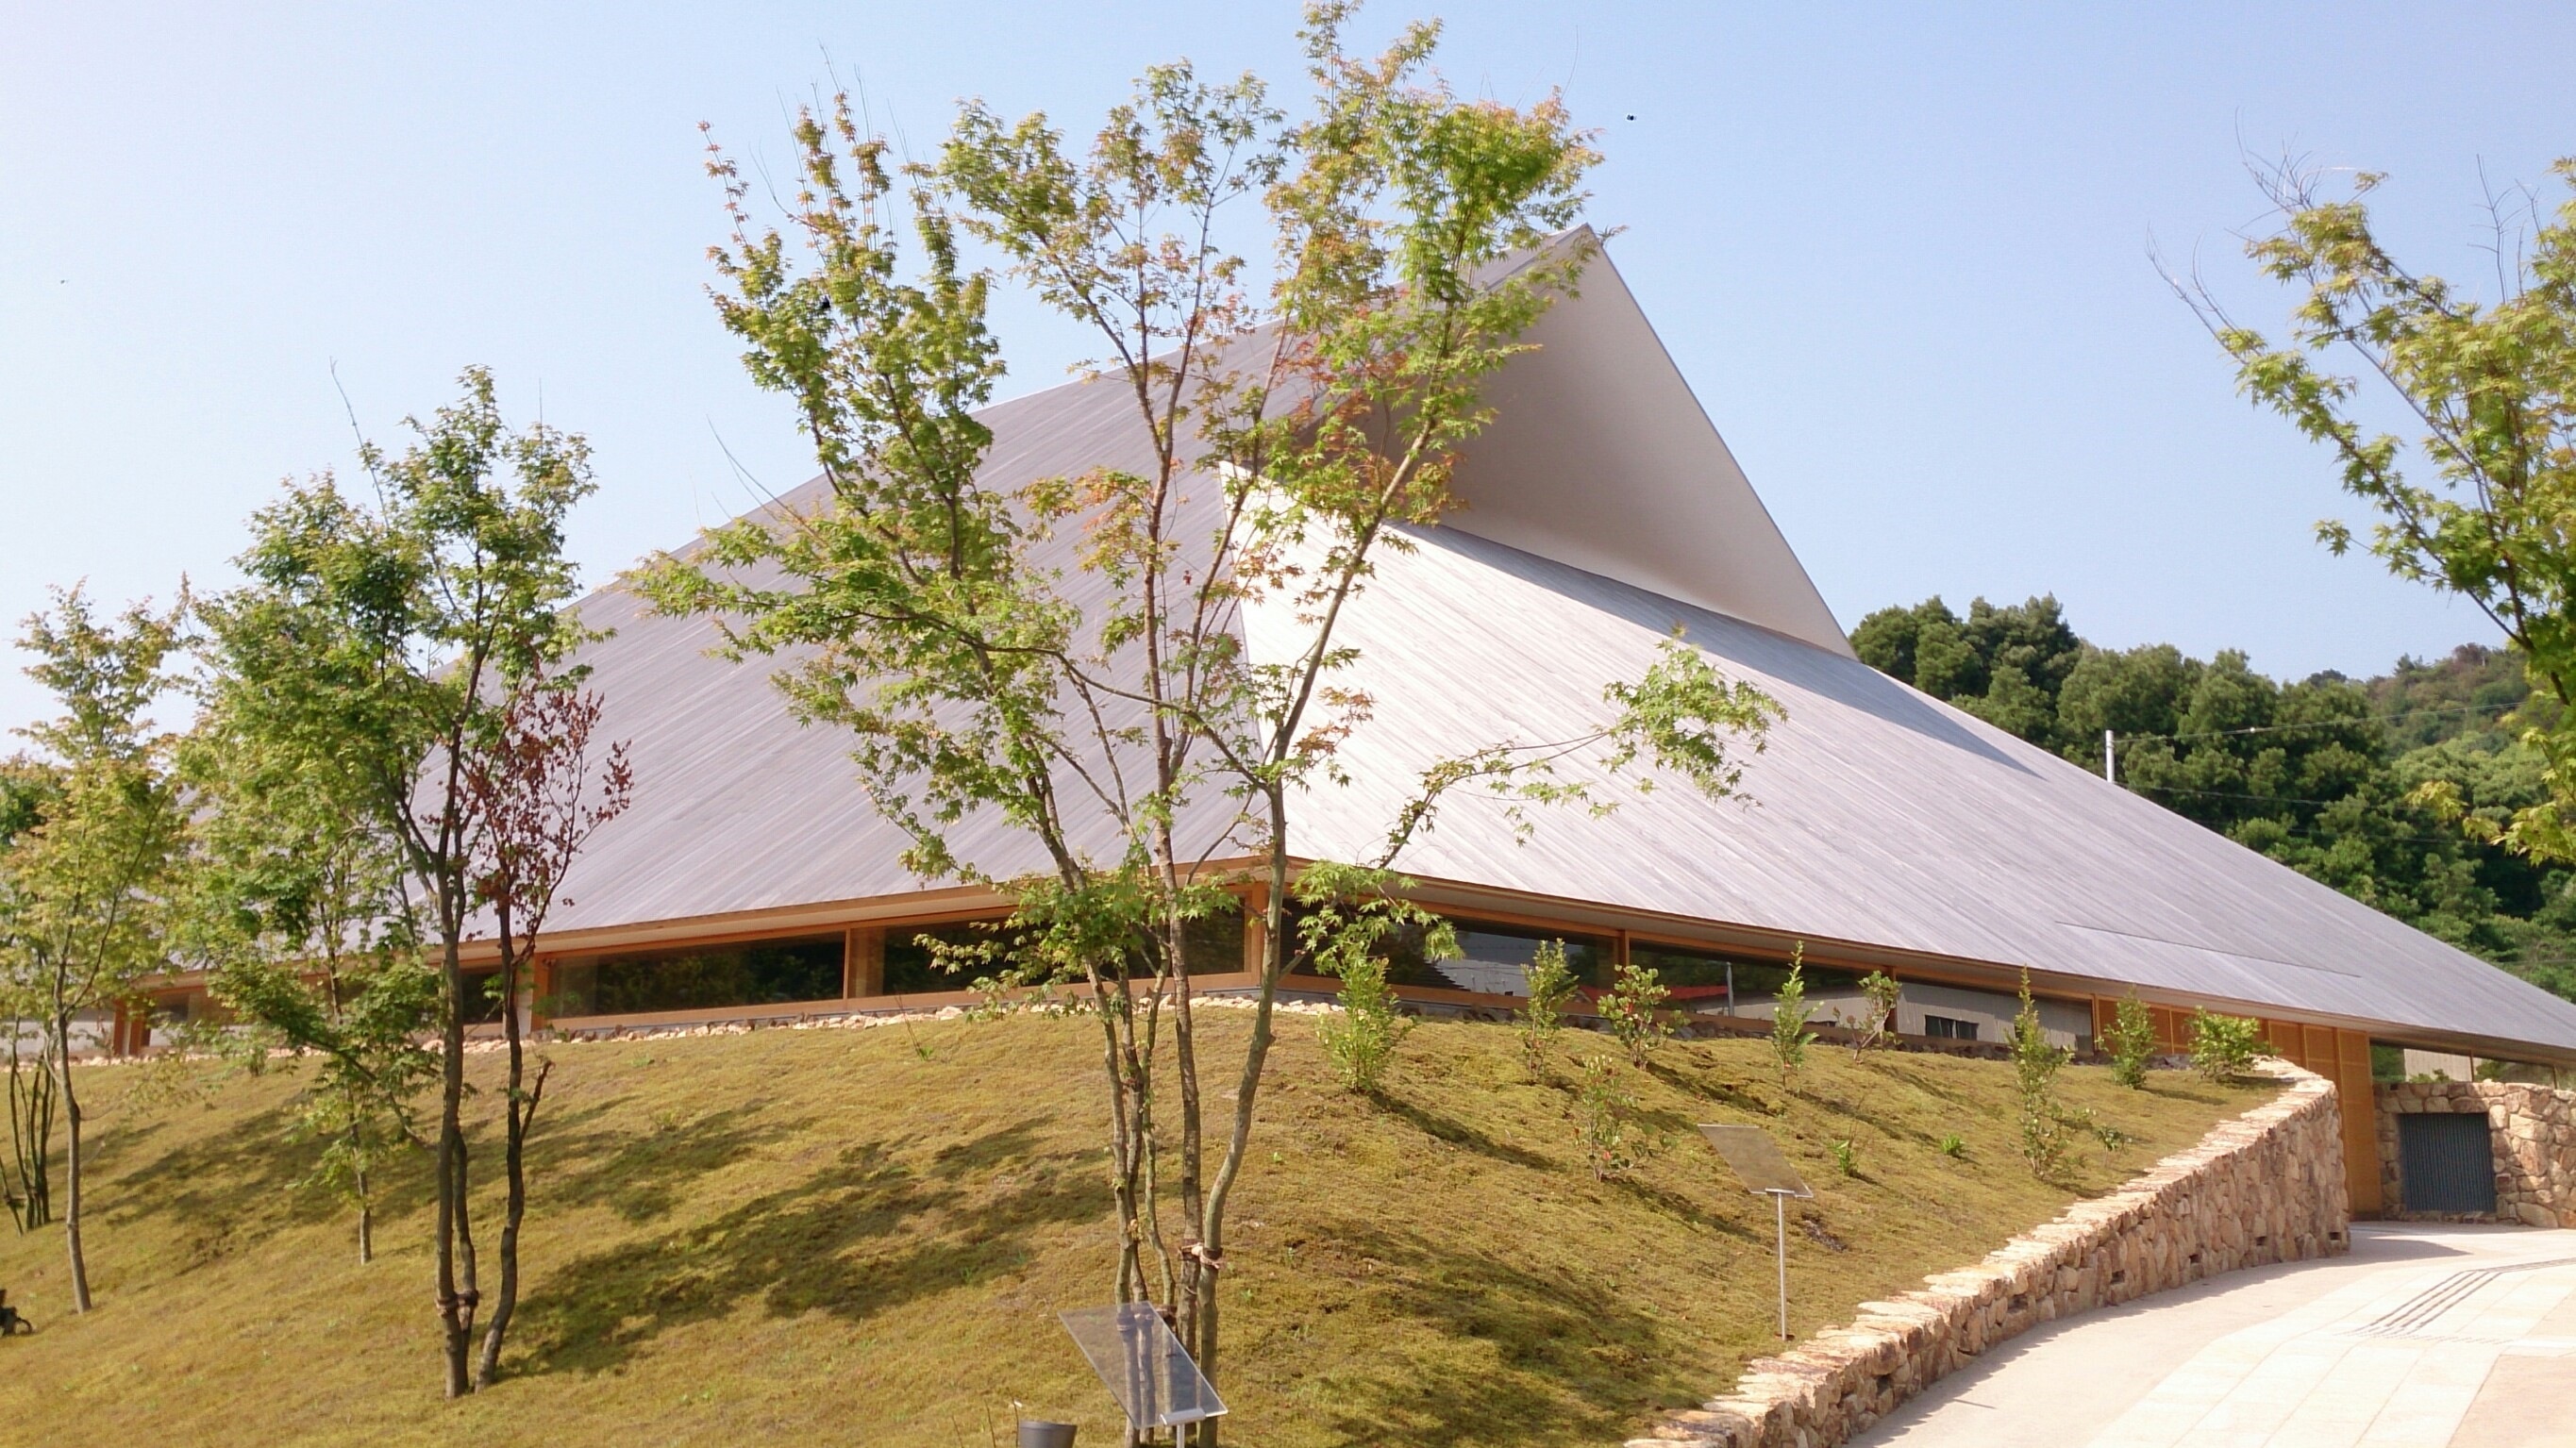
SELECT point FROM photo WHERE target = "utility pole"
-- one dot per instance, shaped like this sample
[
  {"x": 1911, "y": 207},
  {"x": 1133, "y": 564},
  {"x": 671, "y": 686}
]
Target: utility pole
[{"x": 2110, "y": 758}]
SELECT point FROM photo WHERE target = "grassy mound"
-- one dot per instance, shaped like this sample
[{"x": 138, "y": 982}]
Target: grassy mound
[{"x": 862, "y": 1236}]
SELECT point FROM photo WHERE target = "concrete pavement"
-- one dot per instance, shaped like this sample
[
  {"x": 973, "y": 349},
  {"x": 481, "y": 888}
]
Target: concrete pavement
[{"x": 2422, "y": 1337}]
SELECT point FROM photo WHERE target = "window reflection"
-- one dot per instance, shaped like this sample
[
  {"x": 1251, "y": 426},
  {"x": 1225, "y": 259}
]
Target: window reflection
[{"x": 752, "y": 973}]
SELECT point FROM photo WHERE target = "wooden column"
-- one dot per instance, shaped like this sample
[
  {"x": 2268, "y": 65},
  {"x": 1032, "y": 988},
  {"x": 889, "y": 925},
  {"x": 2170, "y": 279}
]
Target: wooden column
[
  {"x": 541, "y": 987},
  {"x": 2360, "y": 1105},
  {"x": 2342, "y": 1057},
  {"x": 863, "y": 962},
  {"x": 1256, "y": 926}
]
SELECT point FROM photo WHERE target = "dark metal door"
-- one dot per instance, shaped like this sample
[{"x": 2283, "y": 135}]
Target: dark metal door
[{"x": 2446, "y": 1161}]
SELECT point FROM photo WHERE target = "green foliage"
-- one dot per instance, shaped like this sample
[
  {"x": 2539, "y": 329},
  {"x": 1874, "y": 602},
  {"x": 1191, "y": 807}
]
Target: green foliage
[
  {"x": 1634, "y": 1008},
  {"x": 372, "y": 652},
  {"x": 1879, "y": 993},
  {"x": 2131, "y": 1041},
  {"x": 2004, "y": 665},
  {"x": 1790, "y": 1013},
  {"x": 2493, "y": 387},
  {"x": 1360, "y": 1042},
  {"x": 1348, "y": 916},
  {"x": 87, "y": 880},
  {"x": 2036, "y": 1062},
  {"x": 296, "y": 905},
  {"x": 28, "y": 789},
  {"x": 1552, "y": 986},
  {"x": 2225, "y": 1048},
  {"x": 1845, "y": 1160},
  {"x": 1605, "y": 1116},
  {"x": 1953, "y": 1146}
]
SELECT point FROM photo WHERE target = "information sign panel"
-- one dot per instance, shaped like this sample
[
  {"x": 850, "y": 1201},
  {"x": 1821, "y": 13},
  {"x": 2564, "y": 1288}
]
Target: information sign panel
[
  {"x": 1143, "y": 1365},
  {"x": 1755, "y": 1158}
]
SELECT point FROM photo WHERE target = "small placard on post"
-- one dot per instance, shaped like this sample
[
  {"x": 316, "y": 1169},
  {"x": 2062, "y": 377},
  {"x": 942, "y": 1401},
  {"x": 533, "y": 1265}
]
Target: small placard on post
[
  {"x": 1143, "y": 1365},
  {"x": 1756, "y": 1161}
]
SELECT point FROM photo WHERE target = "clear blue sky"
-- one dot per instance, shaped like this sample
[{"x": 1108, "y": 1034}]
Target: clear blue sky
[{"x": 1901, "y": 252}]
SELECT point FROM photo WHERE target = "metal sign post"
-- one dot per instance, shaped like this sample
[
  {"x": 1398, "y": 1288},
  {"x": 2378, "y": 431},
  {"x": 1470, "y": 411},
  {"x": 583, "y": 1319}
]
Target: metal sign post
[{"x": 1756, "y": 1161}]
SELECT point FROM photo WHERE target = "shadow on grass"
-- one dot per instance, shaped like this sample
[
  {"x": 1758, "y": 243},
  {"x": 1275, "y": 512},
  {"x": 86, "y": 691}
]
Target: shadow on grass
[
  {"x": 641, "y": 1175},
  {"x": 1878, "y": 1121},
  {"x": 2179, "y": 1086},
  {"x": 250, "y": 1180},
  {"x": 1459, "y": 1133},
  {"x": 1702, "y": 1082},
  {"x": 1561, "y": 1360},
  {"x": 1681, "y": 1207},
  {"x": 864, "y": 1234},
  {"x": 1894, "y": 1065}
]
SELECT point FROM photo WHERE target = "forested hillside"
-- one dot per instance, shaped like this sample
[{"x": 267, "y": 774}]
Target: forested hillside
[{"x": 2317, "y": 773}]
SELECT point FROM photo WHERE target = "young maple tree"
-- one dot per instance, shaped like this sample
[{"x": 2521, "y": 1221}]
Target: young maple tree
[
  {"x": 540, "y": 793},
  {"x": 87, "y": 886},
  {"x": 27, "y": 788},
  {"x": 296, "y": 906},
  {"x": 1068, "y": 654},
  {"x": 2478, "y": 507},
  {"x": 378, "y": 643}
]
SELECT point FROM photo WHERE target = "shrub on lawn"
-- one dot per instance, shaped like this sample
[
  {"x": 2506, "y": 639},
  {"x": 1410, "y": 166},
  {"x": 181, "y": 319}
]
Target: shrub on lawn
[{"x": 2225, "y": 1048}]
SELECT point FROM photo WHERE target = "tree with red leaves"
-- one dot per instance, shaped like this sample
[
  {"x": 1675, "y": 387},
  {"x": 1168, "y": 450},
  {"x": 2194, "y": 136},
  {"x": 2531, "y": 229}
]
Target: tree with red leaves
[{"x": 539, "y": 795}]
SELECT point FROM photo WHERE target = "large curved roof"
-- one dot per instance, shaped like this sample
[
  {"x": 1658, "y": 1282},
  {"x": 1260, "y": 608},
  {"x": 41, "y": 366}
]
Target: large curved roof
[{"x": 1602, "y": 512}]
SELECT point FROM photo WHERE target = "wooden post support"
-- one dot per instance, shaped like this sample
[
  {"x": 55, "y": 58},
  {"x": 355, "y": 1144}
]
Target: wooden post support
[
  {"x": 541, "y": 988},
  {"x": 1256, "y": 925},
  {"x": 863, "y": 962}
]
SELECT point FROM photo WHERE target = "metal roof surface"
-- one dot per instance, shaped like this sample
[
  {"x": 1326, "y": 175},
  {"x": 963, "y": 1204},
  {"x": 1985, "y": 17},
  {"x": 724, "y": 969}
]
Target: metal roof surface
[{"x": 1878, "y": 816}]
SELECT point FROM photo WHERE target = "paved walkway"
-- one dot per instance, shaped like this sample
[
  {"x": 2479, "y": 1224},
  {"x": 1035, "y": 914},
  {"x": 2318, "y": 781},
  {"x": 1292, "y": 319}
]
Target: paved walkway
[{"x": 2422, "y": 1337}]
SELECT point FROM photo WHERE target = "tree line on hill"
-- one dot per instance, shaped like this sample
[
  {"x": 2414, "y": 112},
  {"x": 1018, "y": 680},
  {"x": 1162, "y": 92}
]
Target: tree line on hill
[{"x": 2326, "y": 774}]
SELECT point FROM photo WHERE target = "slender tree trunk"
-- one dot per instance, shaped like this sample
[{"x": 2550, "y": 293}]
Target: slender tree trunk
[
  {"x": 31, "y": 1129},
  {"x": 1274, "y": 965},
  {"x": 1195, "y": 1288},
  {"x": 522, "y": 1111},
  {"x": 358, "y": 1187},
  {"x": 488, "y": 1370},
  {"x": 457, "y": 1298},
  {"x": 71, "y": 1162},
  {"x": 1122, "y": 1173}
]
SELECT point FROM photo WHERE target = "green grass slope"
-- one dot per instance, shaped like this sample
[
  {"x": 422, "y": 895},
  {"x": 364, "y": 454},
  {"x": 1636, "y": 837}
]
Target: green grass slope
[{"x": 862, "y": 1236}]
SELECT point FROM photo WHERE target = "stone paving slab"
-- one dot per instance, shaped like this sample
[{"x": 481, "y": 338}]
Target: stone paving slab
[{"x": 2424, "y": 1337}]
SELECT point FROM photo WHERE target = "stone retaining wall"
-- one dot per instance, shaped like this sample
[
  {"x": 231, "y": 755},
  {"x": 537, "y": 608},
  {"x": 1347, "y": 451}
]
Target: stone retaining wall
[
  {"x": 2265, "y": 1187},
  {"x": 2534, "y": 1130}
]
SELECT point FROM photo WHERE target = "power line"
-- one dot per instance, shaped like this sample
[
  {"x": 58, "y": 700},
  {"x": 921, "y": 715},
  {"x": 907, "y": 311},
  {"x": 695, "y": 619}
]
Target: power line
[
  {"x": 2224, "y": 794},
  {"x": 2384, "y": 720},
  {"x": 2311, "y": 834}
]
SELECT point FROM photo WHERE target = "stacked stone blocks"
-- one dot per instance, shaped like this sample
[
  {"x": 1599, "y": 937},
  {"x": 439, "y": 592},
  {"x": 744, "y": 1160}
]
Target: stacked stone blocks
[
  {"x": 2534, "y": 1134},
  {"x": 2265, "y": 1187}
]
